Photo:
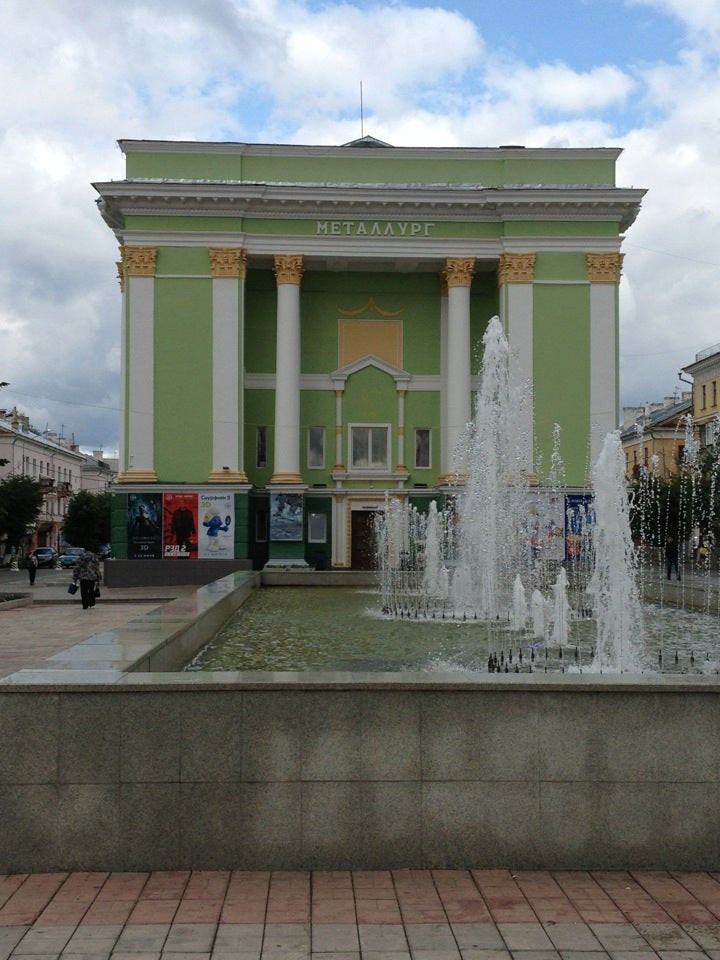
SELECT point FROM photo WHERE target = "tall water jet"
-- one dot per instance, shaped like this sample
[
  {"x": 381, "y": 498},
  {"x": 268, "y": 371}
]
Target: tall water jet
[
  {"x": 493, "y": 500},
  {"x": 613, "y": 584}
]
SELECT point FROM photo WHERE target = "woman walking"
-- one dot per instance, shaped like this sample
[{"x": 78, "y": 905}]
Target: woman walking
[{"x": 87, "y": 571}]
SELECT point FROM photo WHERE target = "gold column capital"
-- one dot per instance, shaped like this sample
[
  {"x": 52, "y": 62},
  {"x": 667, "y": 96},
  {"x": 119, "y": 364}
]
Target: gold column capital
[
  {"x": 604, "y": 267},
  {"x": 516, "y": 268},
  {"x": 288, "y": 268},
  {"x": 228, "y": 262},
  {"x": 139, "y": 261},
  {"x": 459, "y": 271}
]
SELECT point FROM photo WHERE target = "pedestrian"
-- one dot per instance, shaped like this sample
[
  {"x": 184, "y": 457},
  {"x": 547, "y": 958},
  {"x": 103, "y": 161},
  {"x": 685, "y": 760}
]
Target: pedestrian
[
  {"x": 87, "y": 571},
  {"x": 671, "y": 558},
  {"x": 32, "y": 564}
]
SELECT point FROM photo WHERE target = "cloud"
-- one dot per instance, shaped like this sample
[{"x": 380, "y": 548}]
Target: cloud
[
  {"x": 83, "y": 74},
  {"x": 556, "y": 87}
]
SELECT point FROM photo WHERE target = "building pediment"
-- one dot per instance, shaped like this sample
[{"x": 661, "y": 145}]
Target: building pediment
[{"x": 401, "y": 377}]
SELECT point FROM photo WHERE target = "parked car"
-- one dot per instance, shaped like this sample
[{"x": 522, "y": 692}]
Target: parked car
[
  {"x": 70, "y": 557},
  {"x": 46, "y": 556},
  {"x": 105, "y": 552}
]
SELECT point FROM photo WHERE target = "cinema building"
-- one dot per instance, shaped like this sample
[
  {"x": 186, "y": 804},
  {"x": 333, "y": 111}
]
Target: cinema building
[{"x": 302, "y": 329}]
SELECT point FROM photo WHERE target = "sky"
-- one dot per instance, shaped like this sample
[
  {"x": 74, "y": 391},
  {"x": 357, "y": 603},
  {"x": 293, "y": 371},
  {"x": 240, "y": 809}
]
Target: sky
[{"x": 79, "y": 75}]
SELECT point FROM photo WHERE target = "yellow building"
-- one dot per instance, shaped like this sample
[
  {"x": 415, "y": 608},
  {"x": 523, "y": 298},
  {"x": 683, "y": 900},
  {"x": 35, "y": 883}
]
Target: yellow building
[
  {"x": 705, "y": 372},
  {"x": 653, "y": 436}
]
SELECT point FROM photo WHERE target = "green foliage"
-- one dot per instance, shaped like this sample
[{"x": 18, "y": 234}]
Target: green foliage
[
  {"x": 677, "y": 506},
  {"x": 21, "y": 500},
  {"x": 87, "y": 522}
]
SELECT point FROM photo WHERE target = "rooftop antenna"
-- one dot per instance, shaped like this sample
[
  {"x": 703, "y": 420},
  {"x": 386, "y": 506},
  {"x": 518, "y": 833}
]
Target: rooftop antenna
[{"x": 362, "y": 124}]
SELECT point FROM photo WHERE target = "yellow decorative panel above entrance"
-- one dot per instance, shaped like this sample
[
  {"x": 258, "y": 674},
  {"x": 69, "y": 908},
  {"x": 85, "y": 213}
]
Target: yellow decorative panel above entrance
[{"x": 358, "y": 338}]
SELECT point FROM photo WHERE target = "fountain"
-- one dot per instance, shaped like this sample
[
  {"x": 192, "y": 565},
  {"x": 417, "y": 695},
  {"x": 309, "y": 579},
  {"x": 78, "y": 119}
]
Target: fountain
[{"x": 497, "y": 536}]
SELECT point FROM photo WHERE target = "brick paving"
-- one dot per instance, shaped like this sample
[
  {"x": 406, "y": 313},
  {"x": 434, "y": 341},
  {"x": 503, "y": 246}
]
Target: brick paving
[
  {"x": 361, "y": 915},
  {"x": 344, "y": 915}
]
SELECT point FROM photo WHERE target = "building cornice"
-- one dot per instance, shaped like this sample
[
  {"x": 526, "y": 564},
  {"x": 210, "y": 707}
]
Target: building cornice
[
  {"x": 318, "y": 150},
  {"x": 333, "y": 202}
]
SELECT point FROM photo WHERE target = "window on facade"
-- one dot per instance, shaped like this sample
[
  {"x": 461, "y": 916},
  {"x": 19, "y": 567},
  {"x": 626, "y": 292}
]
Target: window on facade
[
  {"x": 370, "y": 447},
  {"x": 316, "y": 448},
  {"x": 422, "y": 448},
  {"x": 714, "y": 393},
  {"x": 317, "y": 528},
  {"x": 703, "y": 391},
  {"x": 710, "y": 430},
  {"x": 260, "y": 446}
]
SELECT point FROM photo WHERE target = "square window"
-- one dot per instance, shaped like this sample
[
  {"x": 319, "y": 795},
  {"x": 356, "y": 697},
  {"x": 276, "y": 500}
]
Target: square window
[
  {"x": 422, "y": 448},
  {"x": 369, "y": 447},
  {"x": 317, "y": 528},
  {"x": 316, "y": 448}
]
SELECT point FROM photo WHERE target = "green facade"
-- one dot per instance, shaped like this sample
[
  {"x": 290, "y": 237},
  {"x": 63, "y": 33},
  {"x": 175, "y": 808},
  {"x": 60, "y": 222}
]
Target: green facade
[{"x": 375, "y": 231}]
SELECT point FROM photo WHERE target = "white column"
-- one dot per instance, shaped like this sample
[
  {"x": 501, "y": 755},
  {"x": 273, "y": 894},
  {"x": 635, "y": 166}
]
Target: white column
[
  {"x": 139, "y": 265},
  {"x": 444, "y": 453},
  {"x": 400, "y": 467},
  {"x": 228, "y": 273},
  {"x": 604, "y": 275},
  {"x": 122, "y": 441},
  {"x": 286, "y": 467},
  {"x": 459, "y": 272},
  {"x": 338, "y": 431},
  {"x": 515, "y": 275}
]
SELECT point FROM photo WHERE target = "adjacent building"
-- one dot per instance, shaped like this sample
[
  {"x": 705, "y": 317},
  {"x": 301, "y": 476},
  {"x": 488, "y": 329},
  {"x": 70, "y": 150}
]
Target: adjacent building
[
  {"x": 302, "y": 326},
  {"x": 654, "y": 436},
  {"x": 705, "y": 372},
  {"x": 54, "y": 462}
]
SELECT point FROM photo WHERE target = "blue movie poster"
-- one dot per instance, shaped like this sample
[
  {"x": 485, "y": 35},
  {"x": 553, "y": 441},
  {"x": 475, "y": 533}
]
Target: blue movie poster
[
  {"x": 144, "y": 521},
  {"x": 579, "y": 519},
  {"x": 286, "y": 516}
]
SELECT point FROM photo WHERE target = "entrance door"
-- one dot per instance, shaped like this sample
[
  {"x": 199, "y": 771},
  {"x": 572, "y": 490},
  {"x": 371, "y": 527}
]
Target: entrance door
[{"x": 362, "y": 544}]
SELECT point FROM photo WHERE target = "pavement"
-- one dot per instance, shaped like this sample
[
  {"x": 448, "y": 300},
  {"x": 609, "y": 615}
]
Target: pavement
[{"x": 408, "y": 914}]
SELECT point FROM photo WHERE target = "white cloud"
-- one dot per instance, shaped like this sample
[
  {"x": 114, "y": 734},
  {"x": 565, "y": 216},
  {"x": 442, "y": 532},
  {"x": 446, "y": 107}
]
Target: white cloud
[
  {"x": 556, "y": 87},
  {"x": 83, "y": 74}
]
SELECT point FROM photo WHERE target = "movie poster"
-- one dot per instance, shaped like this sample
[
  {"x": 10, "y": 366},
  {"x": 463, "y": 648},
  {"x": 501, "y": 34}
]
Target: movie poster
[
  {"x": 180, "y": 525},
  {"x": 216, "y": 532},
  {"x": 286, "y": 516},
  {"x": 579, "y": 519},
  {"x": 144, "y": 522},
  {"x": 547, "y": 526}
]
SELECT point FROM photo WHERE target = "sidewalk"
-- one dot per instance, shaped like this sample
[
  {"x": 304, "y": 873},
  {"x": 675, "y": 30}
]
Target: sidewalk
[
  {"x": 56, "y": 620},
  {"x": 381, "y": 915}
]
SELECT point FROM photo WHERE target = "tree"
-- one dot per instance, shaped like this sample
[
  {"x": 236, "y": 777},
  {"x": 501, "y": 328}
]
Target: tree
[
  {"x": 87, "y": 522},
  {"x": 21, "y": 500}
]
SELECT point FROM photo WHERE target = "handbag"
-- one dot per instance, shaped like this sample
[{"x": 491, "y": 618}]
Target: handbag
[
  {"x": 73, "y": 588},
  {"x": 97, "y": 591}
]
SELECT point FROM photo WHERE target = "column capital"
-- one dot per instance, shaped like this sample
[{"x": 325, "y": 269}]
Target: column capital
[
  {"x": 459, "y": 271},
  {"x": 516, "y": 268},
  {"x": 228, "y": 262},
  {"x": 139, "y": 261},
  {"x": 604, "y": 267},
  {"x": 443, "y": 284},
  {"x": 288, "y": 268}
]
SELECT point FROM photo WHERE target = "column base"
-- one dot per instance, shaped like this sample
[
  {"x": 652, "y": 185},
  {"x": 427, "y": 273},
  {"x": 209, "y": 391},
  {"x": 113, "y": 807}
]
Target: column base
[
  {"x": 452, "y": 480},
  {"x": 227, "y": 476},
  {"x": 137, "y": 476},
  {"x": 286, "y": 478}
]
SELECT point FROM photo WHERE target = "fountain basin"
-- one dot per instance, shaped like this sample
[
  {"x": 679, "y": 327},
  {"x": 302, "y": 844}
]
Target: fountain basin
[{"x": 115, "y": 769}]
